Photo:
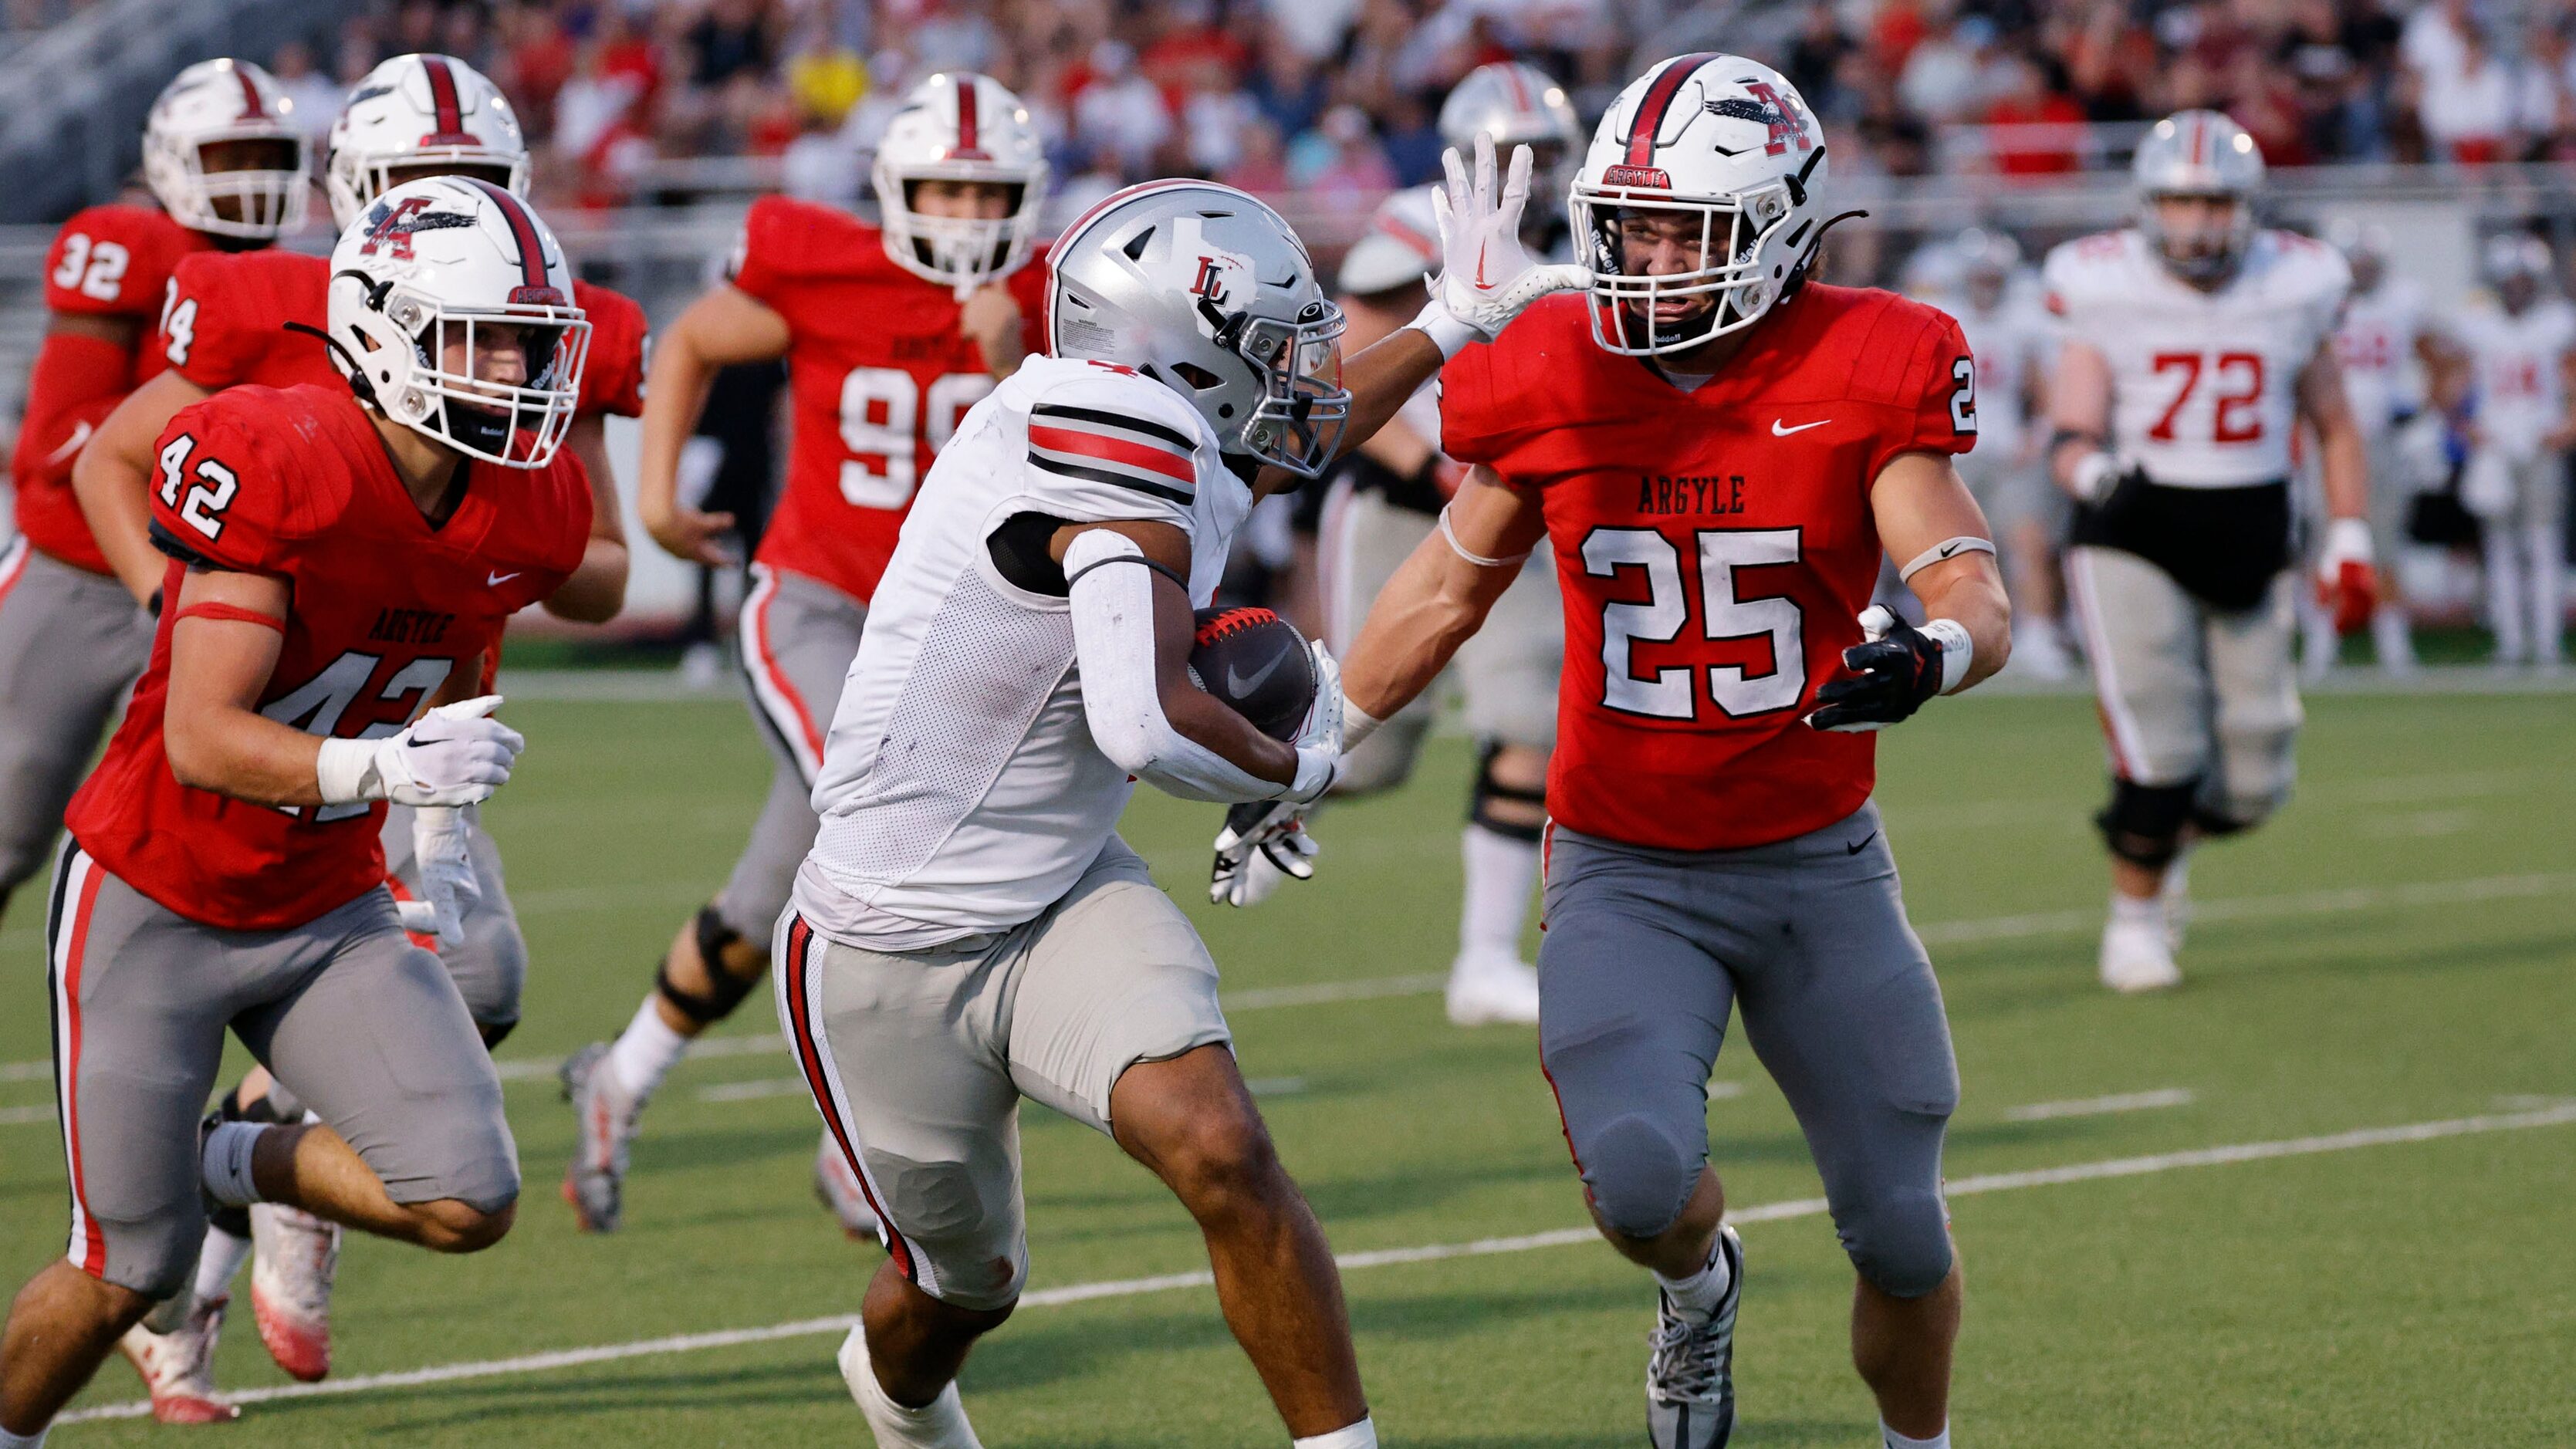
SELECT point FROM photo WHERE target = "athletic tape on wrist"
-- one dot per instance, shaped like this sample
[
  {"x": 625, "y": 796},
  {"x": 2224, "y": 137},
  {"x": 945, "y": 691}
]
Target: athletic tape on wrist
[
  {"x": 345, "y": 772},
  {"x": 1446, "y": 331},
  {"x": 1357, "y": 724},
  {"x": 1957, "y": 650},
  {"x": 1948, "y": 548}
]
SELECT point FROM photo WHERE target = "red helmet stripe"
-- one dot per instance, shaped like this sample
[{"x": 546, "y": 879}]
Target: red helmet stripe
[
  {"x": 2199, "y": 140},
  {"x": 1659, "y": 99},
  {"x": 967, "y": 142},
  {"x": 1520, "y": 88},
  {"x": 442, "y": 96},
  {"x": 253, "y": 109},
  {"x": 523, "y": 228}
]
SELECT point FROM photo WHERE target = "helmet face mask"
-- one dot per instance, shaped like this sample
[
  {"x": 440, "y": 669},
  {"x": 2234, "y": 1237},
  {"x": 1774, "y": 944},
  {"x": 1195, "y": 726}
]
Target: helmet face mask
[
  {"x": 1304, "y": 407},
  {"x": 1638, "y": 311},
  {"x": 2200, "y": 238},
  {"x": 221, "y": 157},
  {"x": 417, "y": 116},
  {"x": 960, "y": 127},
  {"x": 2197, "y": 174}
]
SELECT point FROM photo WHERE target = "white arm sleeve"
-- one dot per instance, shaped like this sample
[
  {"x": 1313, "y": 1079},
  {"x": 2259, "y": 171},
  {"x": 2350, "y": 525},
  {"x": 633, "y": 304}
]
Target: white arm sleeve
[{"x": 1113, "y": 644}]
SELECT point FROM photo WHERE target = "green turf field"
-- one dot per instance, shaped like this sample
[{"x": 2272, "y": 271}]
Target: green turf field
[{"x": 2399, "y": 948}]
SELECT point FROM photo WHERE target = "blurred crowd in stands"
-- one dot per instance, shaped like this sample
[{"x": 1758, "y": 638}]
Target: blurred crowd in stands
[{"x": 1337, "y": 97}]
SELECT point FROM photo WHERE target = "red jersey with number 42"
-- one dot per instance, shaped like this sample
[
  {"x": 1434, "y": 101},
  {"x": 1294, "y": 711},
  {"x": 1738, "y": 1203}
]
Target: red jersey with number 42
[
  {"x": 225, "y": 324},
  {"x": 107, "y": 261},
  {"x": 879, "y": 376},
  {"x": 1714, "y": 547},
  {"x": 296, "y": 484}
]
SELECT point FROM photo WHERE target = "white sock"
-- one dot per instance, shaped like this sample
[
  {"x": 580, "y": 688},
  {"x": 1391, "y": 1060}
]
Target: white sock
[
  {"x": 37, "y": 1439},
  {"x": 225, "y": 1167},
  {"x": 2131, "y": 911},
  {"x": 2504, "y": 593},
  {"x": 217, "y": 1261},
  {"x": 2548, "y": 596},
  {"x": 1502, "y": 874},
  {"x": 1899, "y": 1441},
  {"x": 2392, "y": 638},
  {"x": 645, "y": 1052},
  {"x": 1697, "y": 1296},
  {"x": 1362, "y": 1435}
]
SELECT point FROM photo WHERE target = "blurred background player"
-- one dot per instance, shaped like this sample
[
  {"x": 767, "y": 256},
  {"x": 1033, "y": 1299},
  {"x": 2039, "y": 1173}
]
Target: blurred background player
[
  {"x": 2012, "y": 341},
  {"x": 2388, "y": 356},
  {"x": 224, "y": 156},
  {"x": 1722, "y": 450},
  {"x": 1385, "y": 498},
  {"x": 224, "y": 870},
  {"x": 257, "y": 318},
  {"x": 2521, "y": 355},
  {"x": 2195, "y": 345},
  {"x": 890, "y": 335}
]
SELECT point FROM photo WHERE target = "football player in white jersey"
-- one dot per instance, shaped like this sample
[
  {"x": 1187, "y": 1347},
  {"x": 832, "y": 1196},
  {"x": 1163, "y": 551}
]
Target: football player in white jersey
[
  {"x": 2012, "y": 341},
  {"x": 2387, "y": 354},
  {"x": 968, "y": 929},
  {"x": 2522, "y": 370},
  {"x": 2195, "y": 345}
]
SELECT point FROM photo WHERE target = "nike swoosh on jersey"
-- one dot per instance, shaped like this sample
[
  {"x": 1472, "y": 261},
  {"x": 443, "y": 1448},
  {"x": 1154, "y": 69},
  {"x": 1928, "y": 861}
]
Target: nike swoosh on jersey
[
  {"x": 1778, "y": 431},
  {"x": 1240, "y": 686},
  {"x": 496, "y": 580},
  {"x": 72, "y": 445}
]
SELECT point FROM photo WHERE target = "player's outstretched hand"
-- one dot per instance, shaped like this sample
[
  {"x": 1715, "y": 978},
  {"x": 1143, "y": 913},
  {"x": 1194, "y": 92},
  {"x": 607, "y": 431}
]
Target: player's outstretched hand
[
  {"x": 690, "y": 536},
  {"x": 452, "y": 755},
  {"x": 990, "y": 318},
  {"x": 1890, "y": 674},
  {"x": 1486, "y": 275},
  {"x": 2347, "y": 584},
  {"x": 1263, "y": 842},
  {"x": 440, "y": 846}
]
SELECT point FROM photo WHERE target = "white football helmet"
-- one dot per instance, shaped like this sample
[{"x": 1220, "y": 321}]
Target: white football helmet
[
  {"x": 2198, "y": 153},
  {"x": 1987, "y": 261},
  {"x": 1729, "y": 144},
  {"x": 1204, "y": 289},
  {"x": 1517, "y": 105},
  {"x": 427, "y": 267},
  {"x": 1402, "y": 245},
  {"x": 960, "y": 126},
  {"x": 2517, "y": 266},
  {"x": 422, "y": 114},
  {"x": 222, "y": 103}
]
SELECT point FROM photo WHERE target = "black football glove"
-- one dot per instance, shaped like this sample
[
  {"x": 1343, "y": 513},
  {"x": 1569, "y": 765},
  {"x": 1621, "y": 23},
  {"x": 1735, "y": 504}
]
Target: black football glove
[{"x": 1892, "y": 672}]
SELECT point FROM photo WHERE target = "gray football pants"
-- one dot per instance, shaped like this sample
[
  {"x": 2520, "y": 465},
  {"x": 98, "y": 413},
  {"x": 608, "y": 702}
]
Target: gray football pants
[
  {"x": 490, "y": 967},
  {"x": 71, "y": 643},
  {"x": 1646, "y": 953},
  {"x": 2189, "y": 692},
  {"x": 362, "y": 1025},
  {"x": 798, "y": 638}
]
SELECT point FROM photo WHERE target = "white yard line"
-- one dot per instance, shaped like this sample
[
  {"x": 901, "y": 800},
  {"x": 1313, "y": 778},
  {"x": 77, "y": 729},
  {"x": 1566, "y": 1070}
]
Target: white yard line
[
  {"x": 2102, "y": 1106},
  {"x": 2558, "y": 1116},
  {"x": 1938, "y": 933}
]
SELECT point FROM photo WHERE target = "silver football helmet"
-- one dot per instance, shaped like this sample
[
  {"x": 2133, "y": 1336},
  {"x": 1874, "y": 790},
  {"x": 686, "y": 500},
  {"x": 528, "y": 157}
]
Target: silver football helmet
[
  {"x": 1207, "y": 291},
  {"x": 2516, "y": 265},
  {"x": 1517, "y": 105},
  {"x": 2198, "y": 154}
]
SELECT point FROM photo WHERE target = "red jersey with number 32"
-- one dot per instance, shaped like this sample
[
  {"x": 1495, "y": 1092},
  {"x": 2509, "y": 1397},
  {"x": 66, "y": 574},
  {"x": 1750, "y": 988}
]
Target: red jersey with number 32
[
  {"x": 1714, "y": 549},
  {"x": 225, "y": 324},
  {"x": 107, "y": 261},
  {"x": 879, "y": 376},
  {"x": 295, "y": 484}
]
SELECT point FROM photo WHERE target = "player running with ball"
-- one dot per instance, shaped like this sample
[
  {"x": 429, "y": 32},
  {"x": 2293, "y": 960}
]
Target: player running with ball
[{"x": 1719, "y": 449}]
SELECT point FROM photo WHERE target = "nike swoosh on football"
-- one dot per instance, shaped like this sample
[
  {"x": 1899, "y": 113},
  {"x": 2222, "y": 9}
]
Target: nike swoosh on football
[
  {"x": 1239, "y": 686},
  {"x": 496, "y": 580},
  {"x": 1778, "y": 431}
]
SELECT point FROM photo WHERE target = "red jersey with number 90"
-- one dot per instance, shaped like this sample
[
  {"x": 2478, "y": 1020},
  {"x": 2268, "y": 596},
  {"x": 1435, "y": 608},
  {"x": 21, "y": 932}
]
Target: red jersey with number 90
[
  {"x": 295, "y": 484},
  {"x": 879, "y": 375},
  {"x": 1714, "y": 547}
]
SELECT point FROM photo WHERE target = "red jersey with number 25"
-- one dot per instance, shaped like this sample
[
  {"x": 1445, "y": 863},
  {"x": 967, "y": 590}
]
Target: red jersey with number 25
[
  {"x": 107, "y": 261},
  {"x": 1714, "y": 548},
  {"x": 296, "y": 484},
  {"x": 225, "y": 324},
  {"x": 879, "y": 376}
]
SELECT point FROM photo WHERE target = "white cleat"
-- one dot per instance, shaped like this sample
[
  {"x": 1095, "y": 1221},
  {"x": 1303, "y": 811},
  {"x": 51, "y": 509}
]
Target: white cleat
[
  {"x": 1492, "y": 987},
  {"x": 2176, "y": 896},
  {"x": 2136, "y": 957},
  {"x": 2039, "y": 652},
  {"x": 595, "y": 1183},
  {"x": 839, "y": 1189},
  {"x": 177, "y": 1366},
  {"x": 295, "y": 1257},
  {"x": 939, "y": 1424}
]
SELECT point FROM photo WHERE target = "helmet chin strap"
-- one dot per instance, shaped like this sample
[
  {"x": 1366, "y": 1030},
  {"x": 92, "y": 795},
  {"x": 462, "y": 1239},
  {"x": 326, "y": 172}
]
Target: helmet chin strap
[{"x": 357, "y": 375}]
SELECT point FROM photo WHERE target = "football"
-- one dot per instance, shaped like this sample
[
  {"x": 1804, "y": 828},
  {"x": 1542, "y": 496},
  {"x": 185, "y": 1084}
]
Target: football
[{"x": 1257, "y": 663}]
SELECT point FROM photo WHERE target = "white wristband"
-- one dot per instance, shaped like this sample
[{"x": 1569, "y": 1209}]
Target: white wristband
[
  {"x": 1948, "y": 548},
  {"x": 2093, "y": 475},
  {"x": 1957, "y": 650},
  {"x": 1444, "y": 329},
  {"x": 1357, "y": 724},
  {"x": 346, "y": 772},
  {"x": 2347, "y": 541}
]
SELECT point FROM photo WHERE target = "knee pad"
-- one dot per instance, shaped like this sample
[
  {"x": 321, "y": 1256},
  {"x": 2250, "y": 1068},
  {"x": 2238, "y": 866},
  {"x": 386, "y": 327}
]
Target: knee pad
[
  {"x": 1637, "y": 1176},
  {"x": 1488, "y": 790},
  {"x": 1899, "y": 1241},
  {"x": 2143, "y": 823},
  {"x": 728, "y": 990},
  {"x": 2238, "y": 815}
]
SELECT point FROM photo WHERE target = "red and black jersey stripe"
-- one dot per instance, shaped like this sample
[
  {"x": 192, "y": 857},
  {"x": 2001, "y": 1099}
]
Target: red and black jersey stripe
[
  {"x": 449, "y": 127},
  {"x": 1649, "y": 121},
  {"x": 532, "y": 249}
]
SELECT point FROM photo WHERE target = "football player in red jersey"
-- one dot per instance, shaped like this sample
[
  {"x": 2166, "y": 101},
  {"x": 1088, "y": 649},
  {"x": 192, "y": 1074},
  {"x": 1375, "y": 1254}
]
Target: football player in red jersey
[
  {"x": 342, "y": 555},
  {"x": 226, "y": 162},
  {"x": 258, "y": 318},
  {"x": 1719, "y": 450},
  {"x": 890, "y": 336}
]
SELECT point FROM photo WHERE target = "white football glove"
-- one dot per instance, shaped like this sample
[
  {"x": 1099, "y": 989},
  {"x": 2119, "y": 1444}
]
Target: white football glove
[
  {"x": 441, "y": 848},
  {"x": 1319, "y": 742},
  {"x": 1265, "y": 841},
  {"x": 452, "y": 755},
  {"x": 1486, "y": 274}
]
